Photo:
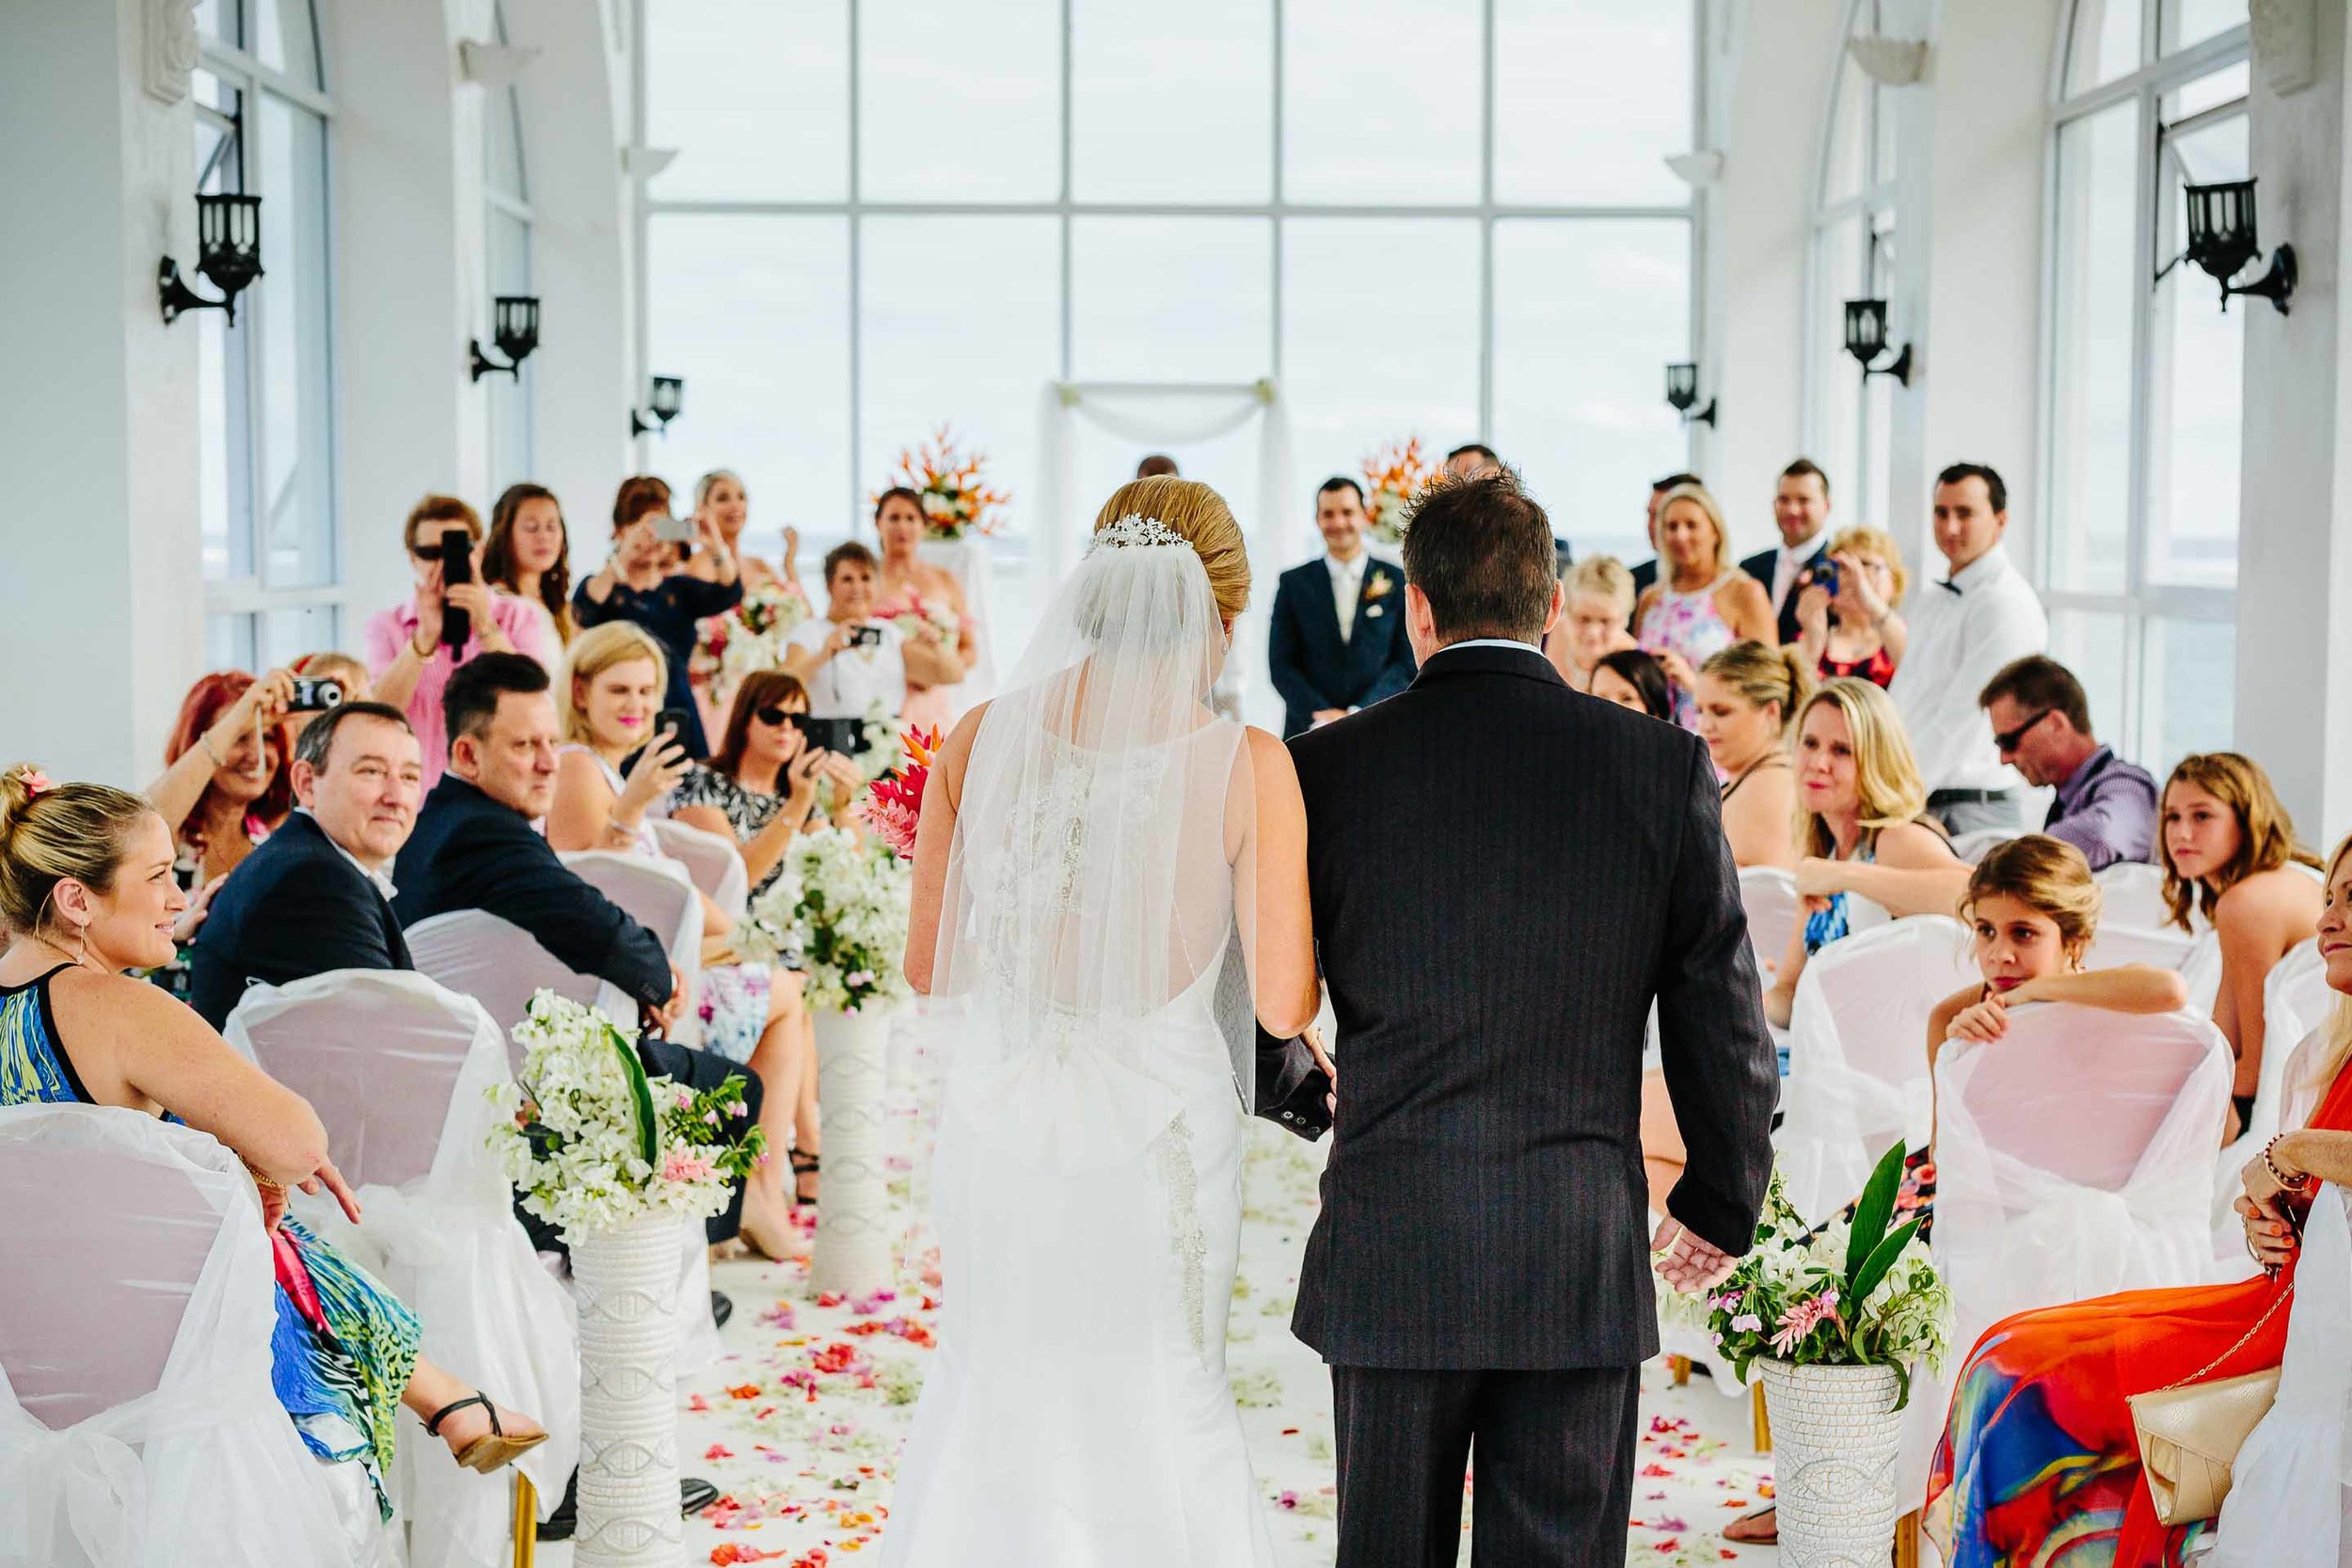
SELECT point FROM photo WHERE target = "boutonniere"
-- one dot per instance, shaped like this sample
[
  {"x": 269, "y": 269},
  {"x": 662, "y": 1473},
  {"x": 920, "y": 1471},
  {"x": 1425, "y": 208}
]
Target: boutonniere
[{"x": 1377, "y": 587}]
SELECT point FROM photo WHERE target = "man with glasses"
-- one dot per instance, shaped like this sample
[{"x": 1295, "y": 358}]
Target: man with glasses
[{"x": 2105, "y": 807}]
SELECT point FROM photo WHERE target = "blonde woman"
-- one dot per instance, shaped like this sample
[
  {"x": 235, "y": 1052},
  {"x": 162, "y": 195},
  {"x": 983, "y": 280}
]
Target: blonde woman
[
  {"x": 720, "y": 497},
  {"x": 1702, "y": 603},
  {"x": 2229, "y": 853},
  {"x": 1846, "y": 612},
  {"x": 1747, "y": 695},
  {"x": 1599, "y": 604},
  {"x": 1862, "y": 827}
]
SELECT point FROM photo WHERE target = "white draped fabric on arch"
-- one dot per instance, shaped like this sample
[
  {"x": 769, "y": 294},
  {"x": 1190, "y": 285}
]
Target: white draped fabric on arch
[{"x": 1159, "y": 415}]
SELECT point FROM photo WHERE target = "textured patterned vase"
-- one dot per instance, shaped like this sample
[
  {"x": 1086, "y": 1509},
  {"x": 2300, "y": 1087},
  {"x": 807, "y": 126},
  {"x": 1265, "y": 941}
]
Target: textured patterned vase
[
  {"x": 625, "y": 1281},
  {"x": 1835, "y": 1433},
  {"x": 851, "y": 1256}
]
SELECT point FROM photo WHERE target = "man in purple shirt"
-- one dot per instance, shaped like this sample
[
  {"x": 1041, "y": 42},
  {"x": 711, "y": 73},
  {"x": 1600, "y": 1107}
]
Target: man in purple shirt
[{"x": 2105, "y": 807}]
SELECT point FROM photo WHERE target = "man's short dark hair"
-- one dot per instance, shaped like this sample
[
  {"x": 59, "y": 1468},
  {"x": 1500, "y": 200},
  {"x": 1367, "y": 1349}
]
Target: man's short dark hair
[
  {"x": 2040, "y": 685},
  {"x": 318, "y": 736},
  {"x": 1480, "y": 448},
  {"x": 1339, "y": 482},
  {"x": 848, "y": 549},
  {"x": 1480, "y": 550},
  {"x": 1995, "y": 492},
  {"x": 471, "y": 700},
  {"x": 1804, "y": 466},
  {"x": 1159, "y": 463},
  {"x": 1673, "y": 482}
]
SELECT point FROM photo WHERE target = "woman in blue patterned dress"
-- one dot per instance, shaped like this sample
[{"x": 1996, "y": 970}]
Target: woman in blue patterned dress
[{"x": 87, "y": 891}]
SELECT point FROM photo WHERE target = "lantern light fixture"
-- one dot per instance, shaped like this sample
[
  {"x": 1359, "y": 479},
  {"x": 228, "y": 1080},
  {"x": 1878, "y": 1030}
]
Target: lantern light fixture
[
  {"x": 2224, "y": 240},
  {"x": 514, "y": 331},
  {"x": 1866, "y": 340},
  {"x": 1682, "y": 393},
  {"x": 669, "y": 396},
  {"x": 227, "y": 255}
]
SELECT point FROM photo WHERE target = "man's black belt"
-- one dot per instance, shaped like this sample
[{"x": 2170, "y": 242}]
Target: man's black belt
[{"x": 1967, "y": 797}]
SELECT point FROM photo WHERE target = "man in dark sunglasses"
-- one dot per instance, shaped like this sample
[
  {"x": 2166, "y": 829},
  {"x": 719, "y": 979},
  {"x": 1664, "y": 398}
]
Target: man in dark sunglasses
[{"x": 2040, "y": 719}]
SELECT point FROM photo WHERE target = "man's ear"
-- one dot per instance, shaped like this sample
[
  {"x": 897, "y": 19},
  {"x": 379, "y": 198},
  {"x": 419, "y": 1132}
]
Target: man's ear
[
  {"x": 465, "y": 756},
  {"x": 304, "y": 779}
]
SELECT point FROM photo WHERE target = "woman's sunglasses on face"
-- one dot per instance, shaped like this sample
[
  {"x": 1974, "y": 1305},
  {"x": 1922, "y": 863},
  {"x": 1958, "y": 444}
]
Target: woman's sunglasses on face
[{"x": 771, "y": 715}]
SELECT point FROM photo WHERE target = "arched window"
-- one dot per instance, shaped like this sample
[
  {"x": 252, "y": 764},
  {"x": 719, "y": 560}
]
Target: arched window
[
  {"x": 507, "y": 270},
  {"x": 266, "y": 391},
  {"x": 1848, "y": 421},
  {"x": 2139, "y": 563}
]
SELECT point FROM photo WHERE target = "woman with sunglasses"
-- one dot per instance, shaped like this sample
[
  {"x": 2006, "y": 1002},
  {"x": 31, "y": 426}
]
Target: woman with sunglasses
[{"x": 761, "y": 790}]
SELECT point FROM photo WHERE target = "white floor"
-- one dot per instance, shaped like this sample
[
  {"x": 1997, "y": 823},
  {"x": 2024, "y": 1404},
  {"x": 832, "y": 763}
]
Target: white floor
[{"x": 799, "y": 1426}]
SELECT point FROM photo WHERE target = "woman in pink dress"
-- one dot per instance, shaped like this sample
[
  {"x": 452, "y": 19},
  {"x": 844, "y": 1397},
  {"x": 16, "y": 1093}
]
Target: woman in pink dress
[
  {"x": 1702, "y": 603},
  {"x": 910, "y": 590}
]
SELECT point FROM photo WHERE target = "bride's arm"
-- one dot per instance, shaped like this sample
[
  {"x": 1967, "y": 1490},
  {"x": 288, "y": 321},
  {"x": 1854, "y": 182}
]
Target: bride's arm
[
  {"x": 934, "y": 835},
  {"x": 1270, "y": 883}
]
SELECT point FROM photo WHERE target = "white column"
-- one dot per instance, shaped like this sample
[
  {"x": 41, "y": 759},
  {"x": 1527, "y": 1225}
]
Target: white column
[
  {"x": 2294, "y": 691},
  {"x": 104, "y": 626}
]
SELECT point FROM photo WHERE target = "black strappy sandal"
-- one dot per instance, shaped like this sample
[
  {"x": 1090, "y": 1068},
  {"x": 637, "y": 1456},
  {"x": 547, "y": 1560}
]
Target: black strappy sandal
[
  {"x": 804, "y": 1164},
  {"x": 495, "y": 1448}
]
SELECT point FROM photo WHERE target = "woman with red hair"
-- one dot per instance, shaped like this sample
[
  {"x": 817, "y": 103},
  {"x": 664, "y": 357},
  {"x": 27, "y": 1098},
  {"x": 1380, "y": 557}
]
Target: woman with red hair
[{"x": 225, "y": 786}]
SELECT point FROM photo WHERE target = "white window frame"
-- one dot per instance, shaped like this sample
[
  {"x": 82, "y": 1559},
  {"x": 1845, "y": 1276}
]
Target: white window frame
[
  {"x": 1486, "y": 209},
  {"x": 2141, "y": 604},
  {"x": 518, "y": 401}
]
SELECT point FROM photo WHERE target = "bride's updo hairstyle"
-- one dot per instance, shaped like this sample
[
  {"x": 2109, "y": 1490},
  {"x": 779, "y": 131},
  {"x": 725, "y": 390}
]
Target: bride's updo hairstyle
[
  {"x": 50, "y": 831},
  {"x": 1199, "y": 513}
]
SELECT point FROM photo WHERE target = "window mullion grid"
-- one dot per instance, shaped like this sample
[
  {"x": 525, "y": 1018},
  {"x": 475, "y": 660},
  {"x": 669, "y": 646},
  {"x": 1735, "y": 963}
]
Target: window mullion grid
[
  {"x": 2136, "y": 482},
  {"x": 1487, "y": 222},
  {"x": 857, "y": 261},
  {"x": 1062, "y": 206},
  {"x": 1274, "y": 188}
]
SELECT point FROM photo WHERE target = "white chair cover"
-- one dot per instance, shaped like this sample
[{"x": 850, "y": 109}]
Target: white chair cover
[
  {"x": 713, "y": 860},
  {"x": 1973, "y": 846},
  {"x": 2131, "y": 893},
  {"x": 1857, "y": 1054},
  {"x": 137, "y": 1423},
  {"x": 1769, "y": 895},
  {"x": 498, "y": 964},
  {"x": 400, "y": 1072},
  {"x": 660, "y": 896},
  {"x": 2290, "y": 1505},
  {"x": 2117, "y": 943},
  {"x": 2201, "y": 966}
]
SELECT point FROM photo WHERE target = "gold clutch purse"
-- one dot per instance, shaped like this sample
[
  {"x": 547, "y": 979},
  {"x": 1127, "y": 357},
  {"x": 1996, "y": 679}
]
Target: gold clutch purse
[{"x": 2190, "y": 1434}]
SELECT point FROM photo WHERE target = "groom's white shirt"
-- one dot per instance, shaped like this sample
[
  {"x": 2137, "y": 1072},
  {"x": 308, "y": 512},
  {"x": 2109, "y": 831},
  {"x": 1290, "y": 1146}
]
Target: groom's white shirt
[{"x": 1488, "y": 642}]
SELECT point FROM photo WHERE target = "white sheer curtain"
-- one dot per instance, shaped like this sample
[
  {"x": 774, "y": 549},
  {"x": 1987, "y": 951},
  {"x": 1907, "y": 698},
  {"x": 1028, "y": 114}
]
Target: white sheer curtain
[{"x": 1177, "y": 414}]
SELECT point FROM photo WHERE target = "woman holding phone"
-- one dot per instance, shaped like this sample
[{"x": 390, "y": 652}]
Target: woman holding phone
[{"x": 642, "y": 582}]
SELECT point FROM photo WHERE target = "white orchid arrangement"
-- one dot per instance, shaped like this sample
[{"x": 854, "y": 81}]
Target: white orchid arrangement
[
  {"x": 591, "y": 1142},
  {"x": 842, "y": 902},
  {"x": 928, "y": 621},
  {"x": 751, "y": 637}
]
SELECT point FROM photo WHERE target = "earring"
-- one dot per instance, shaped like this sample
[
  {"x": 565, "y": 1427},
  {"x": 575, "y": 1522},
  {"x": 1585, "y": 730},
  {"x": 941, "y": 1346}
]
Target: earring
[{"x": 81, "y": 944}]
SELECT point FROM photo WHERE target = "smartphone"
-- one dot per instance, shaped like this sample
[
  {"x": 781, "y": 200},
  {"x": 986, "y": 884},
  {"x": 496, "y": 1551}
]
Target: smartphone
[
  {"x": 867, "y": 636},
  {"x": 673, "y": 530},
  {"x": 456, "y": 567},
  {"x": 671, "y": 722},
  {"x": 315, "y": 694},
  {"x": 831, "y": 734}
]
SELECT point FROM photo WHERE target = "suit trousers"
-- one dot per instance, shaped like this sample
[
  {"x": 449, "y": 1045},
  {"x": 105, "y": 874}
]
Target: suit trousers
[
  {"x": 696, "y": 1069},
  {"x": 1554, "y": 1456}
]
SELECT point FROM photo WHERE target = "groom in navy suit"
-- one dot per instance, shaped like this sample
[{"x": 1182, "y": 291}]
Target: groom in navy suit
[{"x": 1338, "y": 641}]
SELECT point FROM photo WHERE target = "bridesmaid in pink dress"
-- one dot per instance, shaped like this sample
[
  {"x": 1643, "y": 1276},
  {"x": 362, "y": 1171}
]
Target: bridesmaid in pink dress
[{"x": 909, "y": 584}]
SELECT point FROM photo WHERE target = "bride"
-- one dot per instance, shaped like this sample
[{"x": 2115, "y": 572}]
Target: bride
[{"x": 1109, "y": 881}]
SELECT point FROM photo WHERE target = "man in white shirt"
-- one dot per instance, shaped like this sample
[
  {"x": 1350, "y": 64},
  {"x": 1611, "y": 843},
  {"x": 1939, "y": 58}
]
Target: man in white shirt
[
  {"x": 1801, "y": 511},
  {"x": 1965, "y": 629},
  {"x": 1337, "y": 643}
]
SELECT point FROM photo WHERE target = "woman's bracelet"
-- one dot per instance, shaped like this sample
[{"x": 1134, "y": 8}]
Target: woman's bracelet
[{"x": 2302, "y": 1183}]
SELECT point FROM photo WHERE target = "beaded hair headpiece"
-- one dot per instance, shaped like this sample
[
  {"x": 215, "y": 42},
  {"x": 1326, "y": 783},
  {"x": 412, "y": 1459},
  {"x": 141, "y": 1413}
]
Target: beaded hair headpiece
[{"x": 1135, "y": 530}]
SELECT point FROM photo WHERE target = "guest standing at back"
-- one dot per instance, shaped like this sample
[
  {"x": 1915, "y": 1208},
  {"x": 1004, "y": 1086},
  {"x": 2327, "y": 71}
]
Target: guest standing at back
[
  {"x": 1337, "y": 643},
  {"x": 1801, "y": 511},
  {"x": 644, "y": 581},
  {"x": 1701, "y": 603}
]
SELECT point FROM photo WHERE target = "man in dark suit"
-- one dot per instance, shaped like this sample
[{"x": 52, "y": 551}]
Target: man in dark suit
[
  {"x": 317, "y": 895},
  {"x": 1337, "y": 643},
  {"x": 1801, "y": 511},
  {"x": 1480, "y": 1273},
  {"x": 474, "y": 849},
  {"x": 1646, "y": 571}
]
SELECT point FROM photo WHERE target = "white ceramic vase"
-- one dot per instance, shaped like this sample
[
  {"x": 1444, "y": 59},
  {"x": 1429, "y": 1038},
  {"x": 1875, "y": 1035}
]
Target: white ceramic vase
[
  {"x": 1836, "y": 1433},
  {"x": 852, "y": 1249},
  {"x": 625, "y": 1282}
]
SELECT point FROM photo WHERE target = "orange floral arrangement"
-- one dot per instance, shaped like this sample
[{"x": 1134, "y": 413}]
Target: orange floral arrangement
[
  {"x": 1393, "y": 477},
  {"x": 955, "y": 498}
]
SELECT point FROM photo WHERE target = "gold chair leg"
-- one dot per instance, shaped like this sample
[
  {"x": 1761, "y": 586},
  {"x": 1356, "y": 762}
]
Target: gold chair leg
[
  {"x": 1761, "y": 1419},
  {"x": 1679, "y": 1370},
  {"x": 1907, "y": 1541},
  {"x": 526, "y": 1520}
]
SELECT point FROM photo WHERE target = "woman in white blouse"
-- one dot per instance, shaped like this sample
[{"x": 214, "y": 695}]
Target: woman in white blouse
[{"x": 849, "y": 661}]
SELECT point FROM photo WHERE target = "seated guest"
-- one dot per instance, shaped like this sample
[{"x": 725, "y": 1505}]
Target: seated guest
[
  {"x": 1476, "y": 460},
  {"x": 2229, "y": 853},
  {"x": 1862, "y": 830},
  {"x": 85, "y": 883},
  {"x": 644, "y": 581},
  {"x": 761, "y": 790},
  {"x": 1646, "y": 571},
  {"x": 224, "y": 785},
  {"x": 1702, "y": 604},
  {"x": 473, "y": 848},
  {"x": 1747, "y": 695},
  {"x": 848, "y": 660},
  {"x": 1801, "y": 511},
  {"x": 529, "y": 554},
  {"x": 2039, "y": 1446},
  {"x": 409, "y": 653},
  {"x": 1597, "y": 603},
  {"x": 318, "y": 895},
  {"x": 1630, "y": 678},
  {"x": 1159, "y": 463},
  {"x": 2105, "y": 807},
  {"x": 1333, "y": 644},
  {"x": 1848, "y": 621}
]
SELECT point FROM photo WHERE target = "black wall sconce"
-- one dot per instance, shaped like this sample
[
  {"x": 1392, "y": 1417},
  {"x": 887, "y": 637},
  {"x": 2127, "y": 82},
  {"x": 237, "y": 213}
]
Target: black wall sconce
[
  {"x": 2222, "y": 239},
  {"x": 1682, "y": 390},
  {"x": 1866, "y": 340},
  {"x": 669, "y": 396},
  {"x": 227, "y": 255},
  {"x": 515, "y": 330}
]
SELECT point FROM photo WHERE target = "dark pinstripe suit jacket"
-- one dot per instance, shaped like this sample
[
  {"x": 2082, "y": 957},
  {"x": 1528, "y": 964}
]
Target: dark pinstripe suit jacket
[{"x": 1505, "y": 873}]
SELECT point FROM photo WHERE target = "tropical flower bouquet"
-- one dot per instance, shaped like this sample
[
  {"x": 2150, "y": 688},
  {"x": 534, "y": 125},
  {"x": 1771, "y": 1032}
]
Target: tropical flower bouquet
[
  {"x": 893, "y": 807},
  {"x": 1392, "y": 478},
  {"x": 920, "y": 621},
  {"x": 752, "y": 636},
  {"x": 593, "y": 1143},
  {"x": 843, "y": 903},
  {"x": 956, "y": 499}
]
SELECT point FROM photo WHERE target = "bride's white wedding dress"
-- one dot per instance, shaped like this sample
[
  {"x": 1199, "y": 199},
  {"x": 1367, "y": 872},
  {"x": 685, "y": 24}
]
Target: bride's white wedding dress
[{"x": 1086, "y": 1179}]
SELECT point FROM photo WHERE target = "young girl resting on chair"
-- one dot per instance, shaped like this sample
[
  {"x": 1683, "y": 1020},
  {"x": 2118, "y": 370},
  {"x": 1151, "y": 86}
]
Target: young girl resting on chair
[{"x": 86, "y": 886}]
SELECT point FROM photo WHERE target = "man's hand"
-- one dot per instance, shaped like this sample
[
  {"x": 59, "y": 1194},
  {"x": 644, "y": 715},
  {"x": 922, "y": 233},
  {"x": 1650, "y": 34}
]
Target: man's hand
[
  {"x": 1685, "y": 1263},
  {"x": 657, "y": 1021}
]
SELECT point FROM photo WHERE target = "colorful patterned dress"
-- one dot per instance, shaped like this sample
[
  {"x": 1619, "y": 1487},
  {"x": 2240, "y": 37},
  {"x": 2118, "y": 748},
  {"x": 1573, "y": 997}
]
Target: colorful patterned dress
[
  {"x": 2039, "y": 1467},
  {"x": 1688, "y": 624},
  {"x": 343, "y": 1347}
]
